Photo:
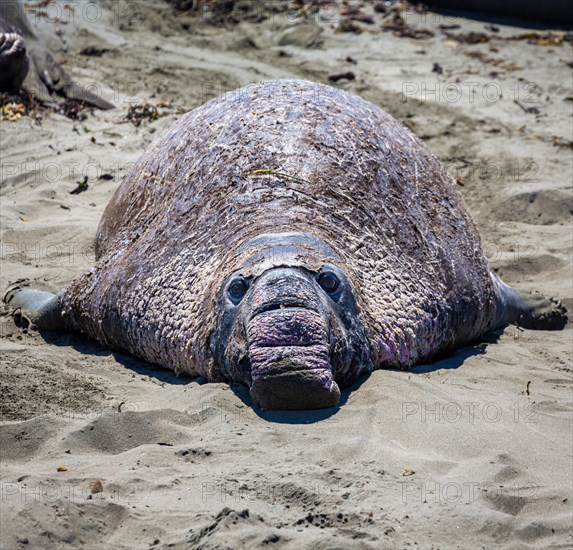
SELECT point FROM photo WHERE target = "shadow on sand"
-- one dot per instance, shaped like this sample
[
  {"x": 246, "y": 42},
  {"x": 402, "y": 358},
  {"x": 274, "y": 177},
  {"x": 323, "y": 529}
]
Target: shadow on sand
[
  {"x": 80, "y": 343},
  {"x": 530, "y": 14}
]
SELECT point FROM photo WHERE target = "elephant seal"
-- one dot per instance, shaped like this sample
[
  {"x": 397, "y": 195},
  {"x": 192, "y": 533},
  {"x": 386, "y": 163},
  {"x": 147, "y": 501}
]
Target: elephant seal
[
  {"x": 289, "y": 236},
  {"x": 14, "y": 63},
  {"x": 25, "y": 62}
]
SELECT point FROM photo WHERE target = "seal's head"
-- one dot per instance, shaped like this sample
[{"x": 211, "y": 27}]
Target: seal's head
[
  {"x": 14, "y": 61},
  {"x": 288, "y": 324}
]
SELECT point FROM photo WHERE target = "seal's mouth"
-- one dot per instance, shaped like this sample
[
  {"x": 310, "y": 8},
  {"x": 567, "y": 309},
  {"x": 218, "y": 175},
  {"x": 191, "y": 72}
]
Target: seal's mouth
[{"x": 289, "y": 353}]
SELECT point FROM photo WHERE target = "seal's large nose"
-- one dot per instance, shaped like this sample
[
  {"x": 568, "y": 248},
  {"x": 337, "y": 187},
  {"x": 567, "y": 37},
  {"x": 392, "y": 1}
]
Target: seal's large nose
[
  {"x": 283, "y": 287},
  {"x": 289, "y": 343},
  {"x": 294, "y": 390}
]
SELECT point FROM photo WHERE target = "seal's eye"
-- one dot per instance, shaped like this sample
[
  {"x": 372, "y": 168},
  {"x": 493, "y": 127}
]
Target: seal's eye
[
  {"x": 329, "y": 282},
  {"x": 237, "y": 289}
]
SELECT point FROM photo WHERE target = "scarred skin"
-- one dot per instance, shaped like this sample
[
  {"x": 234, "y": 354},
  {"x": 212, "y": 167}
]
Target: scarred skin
[{"x": 278, "y": 185}]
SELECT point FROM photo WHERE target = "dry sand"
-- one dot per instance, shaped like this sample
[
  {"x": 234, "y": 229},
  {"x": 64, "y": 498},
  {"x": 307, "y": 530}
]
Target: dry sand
[{"x": 182, "y": 464}]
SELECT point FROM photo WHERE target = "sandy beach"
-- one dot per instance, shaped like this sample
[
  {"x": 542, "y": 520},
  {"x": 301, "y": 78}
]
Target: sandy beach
[{"x": 475, "y": 450}]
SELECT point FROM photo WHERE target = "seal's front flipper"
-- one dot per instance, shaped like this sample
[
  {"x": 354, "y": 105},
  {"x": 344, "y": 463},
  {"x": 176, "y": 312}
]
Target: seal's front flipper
[
  {"x": 527, "y": 309},
  {"x": 72, "y": 90},
  {"x": 47, "y": 74},
  {"x": 43, "y": 309},
  {"x": 35, "y": 86}
]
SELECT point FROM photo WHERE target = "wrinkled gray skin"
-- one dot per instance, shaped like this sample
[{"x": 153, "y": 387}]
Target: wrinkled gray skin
[
  {"x": 292, "y": 237},
  {"x": 25, "y": 62}
]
